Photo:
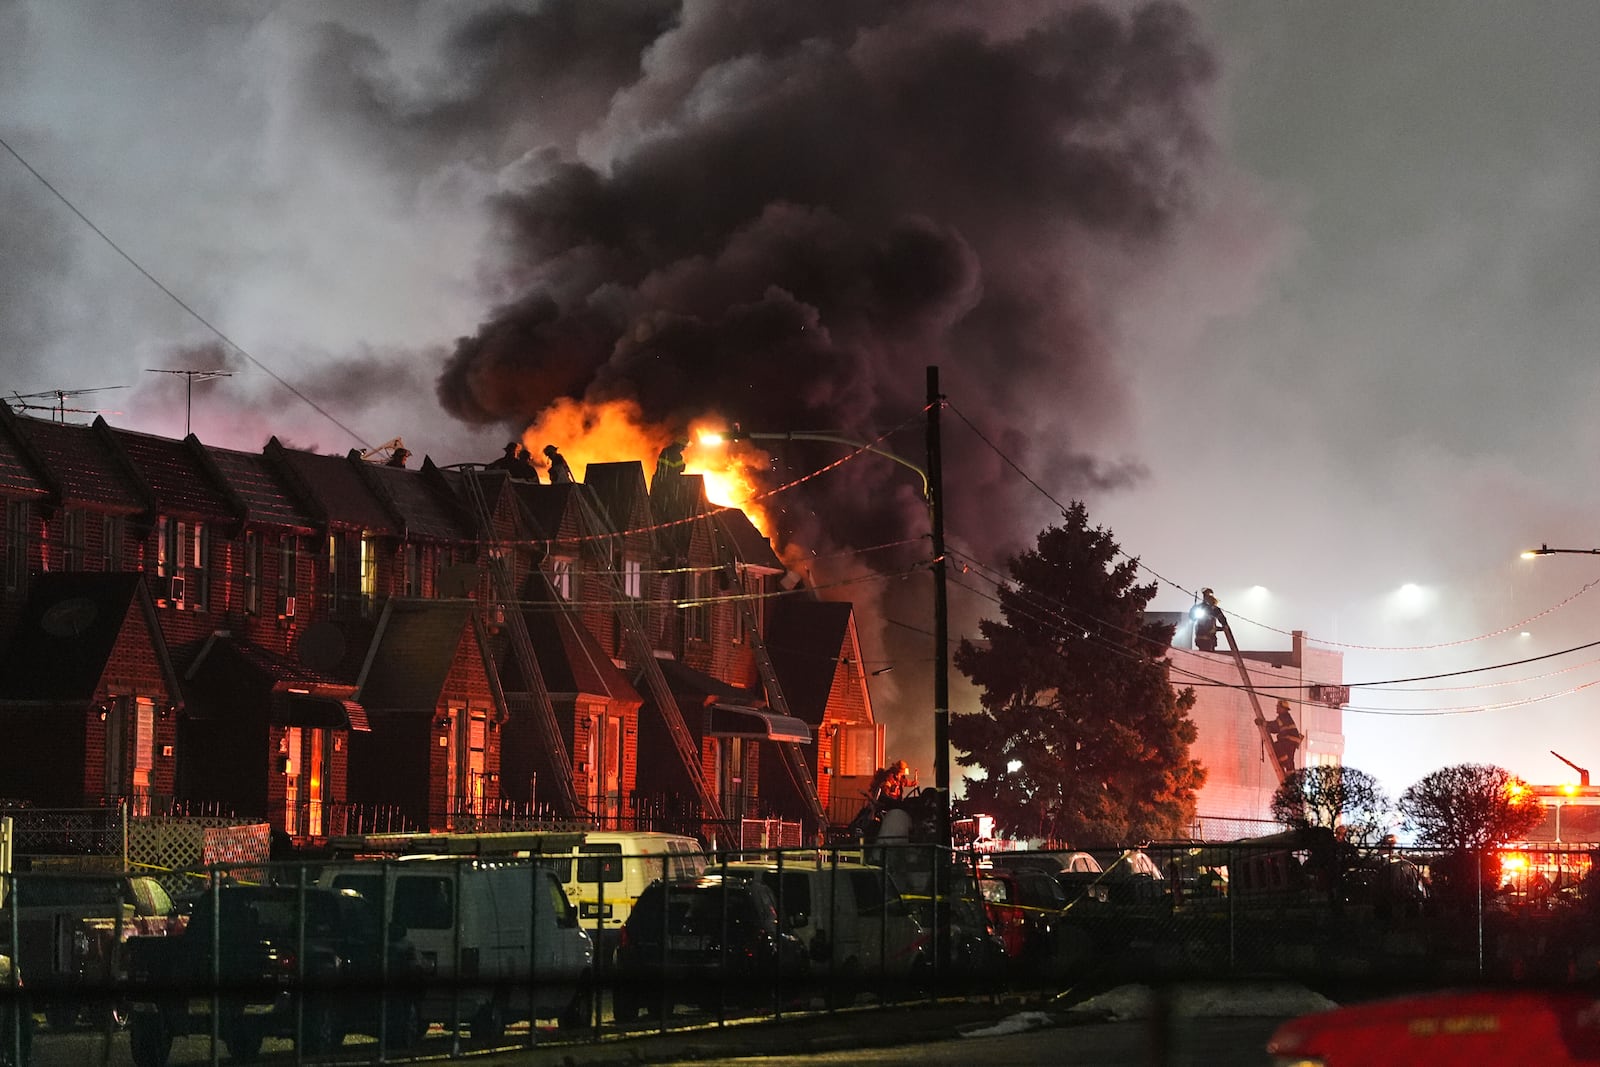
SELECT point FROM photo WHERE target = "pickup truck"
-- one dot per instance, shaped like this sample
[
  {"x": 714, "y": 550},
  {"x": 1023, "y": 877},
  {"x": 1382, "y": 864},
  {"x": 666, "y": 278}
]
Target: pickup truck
[
  {"x": 307, "y": 963},
  {"x": 72, "y": 926}
]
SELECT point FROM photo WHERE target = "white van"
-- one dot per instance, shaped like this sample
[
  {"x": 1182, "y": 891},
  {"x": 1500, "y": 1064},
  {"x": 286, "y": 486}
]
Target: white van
[
  {"x": 499, "y": 934},
  {"x": 850, "y": 916},
  {"x": 607, "y": 870}
]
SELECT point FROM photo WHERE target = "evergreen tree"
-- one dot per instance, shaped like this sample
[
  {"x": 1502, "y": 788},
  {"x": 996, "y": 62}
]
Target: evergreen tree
[{"x": 1081, "y": 738}]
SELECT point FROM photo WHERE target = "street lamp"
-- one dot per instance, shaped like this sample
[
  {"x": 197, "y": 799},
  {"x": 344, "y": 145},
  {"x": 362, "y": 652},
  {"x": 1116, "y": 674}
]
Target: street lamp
[
  {"x": 933, "y": 493},
  {"x": 739, "y": 434},
  {"x": 1546, "y": 550}
]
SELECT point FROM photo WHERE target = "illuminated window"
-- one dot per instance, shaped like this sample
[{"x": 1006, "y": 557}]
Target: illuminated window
[
  {"x": 369, "y": 574},
  {"x": 632, "y": 578}
]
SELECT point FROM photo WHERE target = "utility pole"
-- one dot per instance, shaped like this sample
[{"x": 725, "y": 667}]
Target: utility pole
[{"x": 944, "y": 859}]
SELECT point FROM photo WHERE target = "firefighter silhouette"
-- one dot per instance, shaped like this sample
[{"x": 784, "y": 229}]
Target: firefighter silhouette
[
  {"x": 1207, "y": 616},
  {"x": 1286, "y": 737}
]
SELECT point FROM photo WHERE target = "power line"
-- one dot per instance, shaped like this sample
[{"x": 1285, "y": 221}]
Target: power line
[{"x": 176, "y": 299}]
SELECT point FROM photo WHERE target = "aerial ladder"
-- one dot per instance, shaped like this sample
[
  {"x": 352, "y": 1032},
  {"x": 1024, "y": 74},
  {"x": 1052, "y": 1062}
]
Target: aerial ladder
[
  {"x": 642, "y": 651},
  {"x": 544, "y": 712},
  {"x": 794, "y": 760},
  {"x": 1280, "y": 736}
]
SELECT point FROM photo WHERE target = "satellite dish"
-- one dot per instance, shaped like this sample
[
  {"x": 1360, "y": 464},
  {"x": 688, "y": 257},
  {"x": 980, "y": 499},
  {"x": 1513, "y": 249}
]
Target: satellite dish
[{"x": 321, "y": 646}]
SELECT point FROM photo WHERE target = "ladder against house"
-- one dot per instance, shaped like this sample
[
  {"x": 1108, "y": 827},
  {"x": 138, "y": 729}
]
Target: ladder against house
[
  {"x": 642, "y": 651},
  {"x": 544, "y": 712},
  {"x": 794, "y": 760}
]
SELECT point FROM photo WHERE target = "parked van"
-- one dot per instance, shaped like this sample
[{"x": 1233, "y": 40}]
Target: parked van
[
  {"x": 605, "y": 872},
  {"x": 602, "y": 871},
  {"x": 499, "y": 935},
  {"x": 849, "y": 916}
]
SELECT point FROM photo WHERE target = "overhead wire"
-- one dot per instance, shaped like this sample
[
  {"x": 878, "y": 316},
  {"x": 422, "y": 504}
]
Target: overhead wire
[
  {"x": 1310, "y": 638},
  {"x": 178, "y": 300},
  {"x": 1205, "y": 680}
]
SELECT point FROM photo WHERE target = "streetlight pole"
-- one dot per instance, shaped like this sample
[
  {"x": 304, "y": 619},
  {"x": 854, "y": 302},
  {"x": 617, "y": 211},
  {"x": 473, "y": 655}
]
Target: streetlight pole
[{"x": 941, "y": 675}]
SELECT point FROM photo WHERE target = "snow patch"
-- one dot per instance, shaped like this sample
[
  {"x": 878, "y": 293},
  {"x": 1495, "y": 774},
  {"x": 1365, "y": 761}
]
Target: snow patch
[
  {"x": 1020, "y": 1023},
  {"x": 1221, "y": 1000}
]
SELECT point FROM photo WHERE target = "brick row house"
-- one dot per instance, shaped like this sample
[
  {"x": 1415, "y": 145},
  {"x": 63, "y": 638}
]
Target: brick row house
[{"x": 333, "y": 644}]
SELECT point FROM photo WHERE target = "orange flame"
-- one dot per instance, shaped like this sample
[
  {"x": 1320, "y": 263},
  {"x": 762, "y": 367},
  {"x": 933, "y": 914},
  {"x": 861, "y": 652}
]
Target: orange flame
[
  {"x": 615, "y": 430},
  {"x": 731, "y": 469}
]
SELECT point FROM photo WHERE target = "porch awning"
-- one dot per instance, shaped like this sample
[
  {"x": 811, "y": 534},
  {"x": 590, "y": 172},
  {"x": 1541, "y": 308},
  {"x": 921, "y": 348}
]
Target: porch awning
[
  {"x": 763, "y": 724},
  {"x": 325, "y": 713}
]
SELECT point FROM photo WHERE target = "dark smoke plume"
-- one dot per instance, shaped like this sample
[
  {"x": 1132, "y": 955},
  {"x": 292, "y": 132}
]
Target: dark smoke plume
[
  {"x": 796, "y": 208},
  {"x": 783, "y": 213}
]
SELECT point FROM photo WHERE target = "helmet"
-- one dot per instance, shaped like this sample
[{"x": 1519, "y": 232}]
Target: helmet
[{"x": 550, "y": 450}]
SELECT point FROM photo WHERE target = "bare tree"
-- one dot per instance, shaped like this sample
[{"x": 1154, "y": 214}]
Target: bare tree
[
  {"x": 1470, "y": 806},
  {"x": 1334, "y": 797}
]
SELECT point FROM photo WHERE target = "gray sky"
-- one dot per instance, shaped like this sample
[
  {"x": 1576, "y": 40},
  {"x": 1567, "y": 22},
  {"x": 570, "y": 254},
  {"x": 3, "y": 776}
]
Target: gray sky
[{"x": 1303, "y": 308}]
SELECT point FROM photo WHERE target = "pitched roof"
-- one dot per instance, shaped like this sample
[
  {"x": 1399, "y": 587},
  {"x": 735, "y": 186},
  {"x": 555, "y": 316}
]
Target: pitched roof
[
  {"x": 748, "y": 544},
  {"x": 570, "y": 657},
  {"x": 619, "y": 488},
  {"x": 21, "y": 469},
  {"x": 674, "y": 499},
  {"x": 699, "y": 687},
  {"x": 176, "y": 476},
  {"x": 87, "y": 470},
  {"x": 334, "y": 489},
  {"x": 805, "y": 639},
  {"x": 266, "y": 496},
  {"x": 66, "y": 632},
  {"x": 414, "y": 648},
  {"x": 423, "y": 511}
]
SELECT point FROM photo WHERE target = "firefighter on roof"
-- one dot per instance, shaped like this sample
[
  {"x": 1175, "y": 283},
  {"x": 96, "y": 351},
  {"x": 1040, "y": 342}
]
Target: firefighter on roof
[{"x": 560, "y": 472}]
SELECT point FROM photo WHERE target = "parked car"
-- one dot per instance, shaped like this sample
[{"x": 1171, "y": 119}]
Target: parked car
[
  {"x": 1027, "y": 907},
  {"x": 1131, "y": 876},
  {"x": 709, "y": 942},
  {"x": 72, "y": 928},
  {"x": 499, "y": 938},
  {"x": 977, "y": 952},
  {"x": 605, "y": 873},
  {"x": 308, "y": 963}
]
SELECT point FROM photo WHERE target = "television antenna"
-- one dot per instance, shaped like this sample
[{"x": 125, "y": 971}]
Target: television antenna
[
  {"x": 191, "y": 376},
  {"x": 58, "y": 408}
]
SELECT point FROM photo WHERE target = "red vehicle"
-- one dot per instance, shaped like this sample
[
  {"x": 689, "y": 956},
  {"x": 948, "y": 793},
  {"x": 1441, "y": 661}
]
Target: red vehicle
[{"x": 1485, "y": 1028}]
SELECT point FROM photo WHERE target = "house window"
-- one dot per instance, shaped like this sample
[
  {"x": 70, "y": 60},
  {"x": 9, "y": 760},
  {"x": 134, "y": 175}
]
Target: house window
[
  {"x": 17, "y": 515},
  {"x": 74, "y": 548},
  {"x": 111, "y": 542},
  {"x": 413, "y": 569},
  {"x": 632, "y": 578},
  {"x": 252, "y": 572},
  {"x": 696, "y": 609},
  {"x": 183, "y": 557},
  {"x": 369, "y": 575},
  {"x": 344, "y": 572},
  {"x": 466, "y": 766},
  {"x": 561, "y": 574},
  {"x": 130, "y": 752},
  {"x": 288, "y": 566}
]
